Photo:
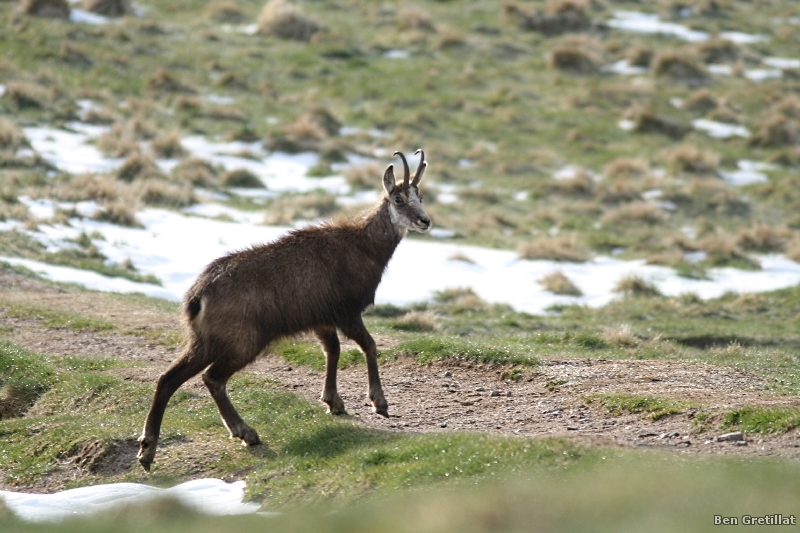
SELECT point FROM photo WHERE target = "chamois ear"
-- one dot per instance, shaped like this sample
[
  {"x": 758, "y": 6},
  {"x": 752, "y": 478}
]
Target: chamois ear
[{"x": 388, "y": 179}]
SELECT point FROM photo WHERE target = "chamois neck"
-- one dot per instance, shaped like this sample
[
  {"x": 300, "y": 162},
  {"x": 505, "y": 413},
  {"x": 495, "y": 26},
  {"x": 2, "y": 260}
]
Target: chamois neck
[{"x": 381, "y": 231}]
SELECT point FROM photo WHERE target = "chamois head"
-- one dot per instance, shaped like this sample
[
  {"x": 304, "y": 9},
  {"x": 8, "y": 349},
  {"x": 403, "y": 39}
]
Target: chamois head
[{"x": 405, "y": 200}]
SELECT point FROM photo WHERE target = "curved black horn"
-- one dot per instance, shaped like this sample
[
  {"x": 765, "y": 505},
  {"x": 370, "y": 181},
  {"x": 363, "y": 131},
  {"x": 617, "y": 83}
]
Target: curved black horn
[
  {"x": 420, "y": 169},
  {"x": 406, "y": 170}
]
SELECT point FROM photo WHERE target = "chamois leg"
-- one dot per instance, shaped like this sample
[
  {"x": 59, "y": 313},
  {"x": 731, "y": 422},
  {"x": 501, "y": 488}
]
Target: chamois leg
[
  {"x": 330, "y": 345},
  {"x": 182, "y": 369},
  {"x": 358, "y": 332},
  {"x": 216, "y": 379}
]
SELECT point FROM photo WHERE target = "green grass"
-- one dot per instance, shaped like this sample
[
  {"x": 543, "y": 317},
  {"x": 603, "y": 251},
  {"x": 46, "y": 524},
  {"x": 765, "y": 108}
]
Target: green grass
[
  {"x": 53, "y": 318},
  {"x": 428, "y": 348},
  {"x": 763, "y": 420},
  {"x": 311, "y": 355},
  {"x": 654, "y": 407}
]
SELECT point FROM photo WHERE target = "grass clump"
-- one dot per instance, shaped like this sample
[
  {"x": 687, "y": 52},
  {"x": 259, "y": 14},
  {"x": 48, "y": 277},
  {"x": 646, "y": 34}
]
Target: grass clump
[
  {"x": 24, "y": 377},
  {"x": 282, "y": 19},
  {"x": 417, "y": 321},
  {"x": 679, "y": 65},
  {"x": 459, "y": 300},
  {"x": 223, "y": 11},
  {"x": 656, "y": 408},
  {"x": 635, "y": 286},
  {"x": 46, "y": 8},
  {"x": 558, "y": 283},
  {"x": 764, "y": 420},
  {"x": 241, "y": 177},
  {"x": 577, "y": 56},
  {"x": 429, "y": 349},
  {"x": 108, "y": 8},
  {"x": 310, "y": 354},
  {"x": 560, "y": 17},
  {"x": 558, "y": 248}
]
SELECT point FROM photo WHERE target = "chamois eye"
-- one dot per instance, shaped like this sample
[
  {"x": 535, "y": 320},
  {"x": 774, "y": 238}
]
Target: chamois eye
[{"x": 398, "y": 199}]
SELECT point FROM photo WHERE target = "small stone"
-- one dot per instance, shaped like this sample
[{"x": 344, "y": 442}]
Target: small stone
[
  {"x": 495, "y": 393},
  {"x": 479, "y": 389},
  {"x": 731, "y": 437},
  {"x": 443, "y": 425},
  {"x": 646, "y": 435},
  {"x": 448, "y": 374},
  {"x": 467, "y": 403},
  {"x": 741, "y": 443}
]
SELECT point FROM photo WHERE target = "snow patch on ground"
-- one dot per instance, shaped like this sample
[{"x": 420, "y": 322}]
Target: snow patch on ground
[{"x": 209, "y": 496}]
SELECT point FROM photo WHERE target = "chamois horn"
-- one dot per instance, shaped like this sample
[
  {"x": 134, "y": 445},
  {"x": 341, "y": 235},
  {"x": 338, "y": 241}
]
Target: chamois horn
[
  {"x": 420, "y": 169},
  {"x": 406, "y": 170}
]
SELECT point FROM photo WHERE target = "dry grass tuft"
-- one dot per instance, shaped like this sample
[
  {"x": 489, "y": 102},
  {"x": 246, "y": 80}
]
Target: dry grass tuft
[
  {"x": 27, "y": 95},
  {"x": 163, "y": 193},
  {"x": 635, "y": 286},
  {"x": 701, "y": 101},
  {"x": 558, "y": 283},
  {"x": 100, "y": 188},
  {"x": 620, "y": 336},
  {"x": 764, "y": 238},
  {"x": 679, "y": 65},
  {"x": 793, "y": 249},
  {"x": 138, "y": 166},
  {"x": 222, "y": 11},
  {"x": 241, "y": 177},
  {"x": 168, "y": 145},
  {"x": 196, "y": 171},
  {"x": 559, "y": 248},
  {"x": 718, "y": 50},
  {"x": 284, "y": 20},
  {"x": 461, "y": 256},
  {"x": 560, "y": 17},
  {"x": 577, "y": 56},
  {"x": 721, "y": 250},
  {"x": 366, "y": 176},
  {"x": 164, "y": 82},
  {"x": 460, "y": 300},
  {"x": 581, "y": 184},
  {"x": 618, "y": 191},
  {"x": 413, "y": 18},
  {"x": 124, "y": 136},
  {"x": 108, "y": 8},
  {"x": 74, "y": 56},
  {"x": 285, "y": 209},
  {"x": 626, "y": 167},
  {"x": 640, "y": 56},
  {"x": 648, "y": 121},
  {"x": 46, "y": 8},
  {"x": 688, "y": 158},
  {"x": 636, "y": 212},
  {"x": 775, "y": 129},
  {"x": 417, "y": 321},
  {"x": 119, "y": 212},
  {"x": 12, "y": 137}
]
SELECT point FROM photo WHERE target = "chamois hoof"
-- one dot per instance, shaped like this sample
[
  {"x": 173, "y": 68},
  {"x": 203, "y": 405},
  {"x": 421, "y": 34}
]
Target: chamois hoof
[
  {"x": 381, "y": 408},
  {"x": 249, "y": 436},
  {"x": 147, "y": 452},
  {"x": 335, "y": 406}
]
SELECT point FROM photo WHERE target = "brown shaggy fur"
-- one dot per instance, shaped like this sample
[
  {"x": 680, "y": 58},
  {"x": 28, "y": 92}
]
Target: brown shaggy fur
[{"x": 316, "y": 279}]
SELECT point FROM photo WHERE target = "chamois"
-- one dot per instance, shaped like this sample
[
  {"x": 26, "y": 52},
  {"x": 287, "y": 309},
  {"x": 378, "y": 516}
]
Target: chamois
[{"x": 318, "y": 279}]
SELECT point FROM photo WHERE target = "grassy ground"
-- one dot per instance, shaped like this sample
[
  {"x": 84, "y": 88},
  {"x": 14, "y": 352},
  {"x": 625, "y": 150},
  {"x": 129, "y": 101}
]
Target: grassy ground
[{"x": 482, "y": 92}]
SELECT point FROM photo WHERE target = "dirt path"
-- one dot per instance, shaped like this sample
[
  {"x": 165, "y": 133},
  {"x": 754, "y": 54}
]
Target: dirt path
[{"x": 548, "y": 400}]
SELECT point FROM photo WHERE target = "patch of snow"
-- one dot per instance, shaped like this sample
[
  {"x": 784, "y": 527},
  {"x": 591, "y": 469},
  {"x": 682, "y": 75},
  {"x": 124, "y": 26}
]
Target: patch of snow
[
  {"x": 372, "y": 132},
  {"x": 624, "y": 68},
  {"x": 87, "y": 17},
  {"x": 68, "y": 150},
  {"x": 359, "y": 198},
  {"x": 521, "y": 196},
  {"x": 719, "y": 69},
  {"x": 761, "y": 74},
  {"x": 626, "y": 124},
  {"x": 635, "y": 21},
  {"x": 781, "y": 62},
  {"x": 219, "y": 99},
  {"x": 218, "y": 210},
  {"x": 441, "y": 233},
  {"x": 465, "y": 163},
  {"x": 676, "y": 102},
  {"x": 209, "y": 496},
  {"x": 396, "y": 54},
  {"x": 720, "y": 130},
  {"x": 41, "y": 209},
  {"x": 747, "y": 173},
  {"x": 175, "y": 248},
  {"x": 743, "y": 38},
  {"x": 695, "y": 257},
  {"x": 249, "y": 29},
  {"x": 652, "y": 194},
  {"x": 2, "y": 90}
]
